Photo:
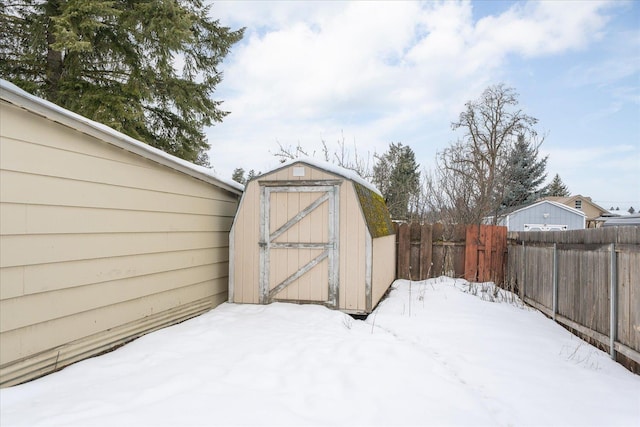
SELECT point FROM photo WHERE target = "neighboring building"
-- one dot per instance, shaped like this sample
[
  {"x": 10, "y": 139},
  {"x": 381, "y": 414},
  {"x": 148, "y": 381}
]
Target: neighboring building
[
  {"x": 595, "y": 214},
  {"x": 102, "y": 238},
  {"x": 623, "y": 220},
  {"x": 543, "y": 216},
  {"x": 311, "y": 232}
]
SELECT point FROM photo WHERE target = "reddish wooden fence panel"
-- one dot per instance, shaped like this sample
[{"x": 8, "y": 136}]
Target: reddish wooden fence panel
[
  {"x": 485, "y": 253},
  {"x": 474, "y": 252}
]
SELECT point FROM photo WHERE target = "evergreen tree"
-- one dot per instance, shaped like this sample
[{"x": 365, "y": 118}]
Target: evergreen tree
[
  {"x": 631, "y": 210},
  {"x": 396, "y": 176},
  {"x": 238, "y": 176},
  {"x": 557, "y": 188},
  {"x": 472, "y": 174},
  {"x": 147, "y": 68},
  {"x": 525, "y": 173}
]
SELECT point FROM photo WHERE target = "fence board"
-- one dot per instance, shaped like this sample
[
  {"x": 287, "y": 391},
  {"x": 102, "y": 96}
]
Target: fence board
[
  {"x": 414, "y": 245},
  {"x": 485, "y": 253},
  {"x": 457, "y": 251},
  {"x": 484, "y": 256},
  {"x": 578, "y": 268},
  {"x": 624, "y": 298},
  {"x": 479, "y": 252},
  {"x": 404, "y": 251},
  {"x": 499, "y": 254},
  {"x": 584, "y": 274},
  {"x": 634, "y": 303},
  {"x": 432, "y": 250},
  {"x": 426, "y": 249},
  {"x": 471, "y": 266}
]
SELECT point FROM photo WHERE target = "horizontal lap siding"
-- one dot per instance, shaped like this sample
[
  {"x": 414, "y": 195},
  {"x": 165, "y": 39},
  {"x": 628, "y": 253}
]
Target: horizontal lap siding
[
  {"x": 245, "y": 250},
  {"x": 98, "y": 244},
  {"x": 384, "y": 266}
]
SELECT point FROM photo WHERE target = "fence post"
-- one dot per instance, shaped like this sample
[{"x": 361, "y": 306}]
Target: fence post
[
  {"x": 613, "y": 300},
  {"x": 524, "y": 271},
  {"x": 555, "y": 280},
  {"x": 404, "y": 251}
]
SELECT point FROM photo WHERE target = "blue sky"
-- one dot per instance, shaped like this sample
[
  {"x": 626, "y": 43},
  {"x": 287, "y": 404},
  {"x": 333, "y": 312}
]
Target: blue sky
[{"x": 380, "y": 72}]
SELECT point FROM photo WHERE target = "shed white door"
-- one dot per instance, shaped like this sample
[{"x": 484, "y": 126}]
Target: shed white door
[{"x": 299, "y": 243}]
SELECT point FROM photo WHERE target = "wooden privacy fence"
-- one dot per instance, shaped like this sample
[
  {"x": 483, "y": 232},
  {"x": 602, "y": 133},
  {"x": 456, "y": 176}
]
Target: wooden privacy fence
[
  {"x": 587, "y": 280},
  {"x": 475, "y": 252},
  {"x": 485, "y": 253}
]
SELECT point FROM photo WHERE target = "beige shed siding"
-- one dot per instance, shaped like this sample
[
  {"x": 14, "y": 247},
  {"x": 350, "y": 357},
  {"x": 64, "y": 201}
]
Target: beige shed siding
[
  {"x": 384, "y": 267},
  {"x": 97, "y": 244},
  {"x": 352, "y": 233},
  {"x": 244, "y": 248}
]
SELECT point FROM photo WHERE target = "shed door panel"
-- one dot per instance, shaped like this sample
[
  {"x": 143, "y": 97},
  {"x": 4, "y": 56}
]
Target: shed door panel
[{"x": 299, "y": 244}]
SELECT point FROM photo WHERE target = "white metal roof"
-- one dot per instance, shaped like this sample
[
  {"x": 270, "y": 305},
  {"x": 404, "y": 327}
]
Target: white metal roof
[
  {"x": 560, "y": 205},
  {"x": 16, "y": 96}
]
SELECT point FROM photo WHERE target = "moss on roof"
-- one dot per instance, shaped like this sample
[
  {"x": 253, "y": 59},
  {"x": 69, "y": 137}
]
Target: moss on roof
[{"x": 375, "y": 211}]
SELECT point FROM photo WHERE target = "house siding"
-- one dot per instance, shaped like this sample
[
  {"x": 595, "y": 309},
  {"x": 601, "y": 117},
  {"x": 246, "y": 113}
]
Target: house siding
[
  {"x": 98, "y": 245},
  {"x": 592, "y": 211},
  {"x": 535, "y": 215}
]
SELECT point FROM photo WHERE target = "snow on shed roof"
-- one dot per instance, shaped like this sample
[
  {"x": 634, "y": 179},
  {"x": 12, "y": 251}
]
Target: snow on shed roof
[
  {"x": 329, "y": 167},
  {"x": 16, "y": 96}
]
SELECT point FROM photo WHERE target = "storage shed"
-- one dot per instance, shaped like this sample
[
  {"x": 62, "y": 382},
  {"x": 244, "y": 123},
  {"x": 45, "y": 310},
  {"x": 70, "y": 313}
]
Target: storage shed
[
  {"x": 311, "y": 232},
  {"x": 102, "y": 238},
  {"x": 544, "y": 216}
]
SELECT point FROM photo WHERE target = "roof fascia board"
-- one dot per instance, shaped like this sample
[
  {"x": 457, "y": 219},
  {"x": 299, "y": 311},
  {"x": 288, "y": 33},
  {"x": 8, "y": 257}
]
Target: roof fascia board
[{"x": 560, "y": 205}]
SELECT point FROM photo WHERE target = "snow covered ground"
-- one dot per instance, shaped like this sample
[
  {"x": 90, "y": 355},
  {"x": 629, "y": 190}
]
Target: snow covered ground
[{"x": 438, "y": 352}]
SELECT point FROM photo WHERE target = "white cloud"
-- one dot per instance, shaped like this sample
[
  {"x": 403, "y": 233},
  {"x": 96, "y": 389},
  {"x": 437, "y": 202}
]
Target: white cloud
[
  {"x": 303, "y": 70},
  {"x": 374, "y": 72},
  {"x": 261, "y": 16},
  {"x": 605, "y": 172},
  {"x": 540, "y": 28}
]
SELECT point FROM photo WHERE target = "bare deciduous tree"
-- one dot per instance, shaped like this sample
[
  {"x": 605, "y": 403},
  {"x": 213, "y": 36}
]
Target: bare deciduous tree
[
  {"x": 342, "y": 156},
  {"x": 471, "y": 175}
]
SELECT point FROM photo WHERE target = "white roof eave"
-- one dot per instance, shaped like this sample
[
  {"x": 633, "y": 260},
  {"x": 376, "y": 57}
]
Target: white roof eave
[
  {"x": 559, "y": 205},
  {"x": 328, "y": 167},
  {"x": 16, "y": 96}
]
